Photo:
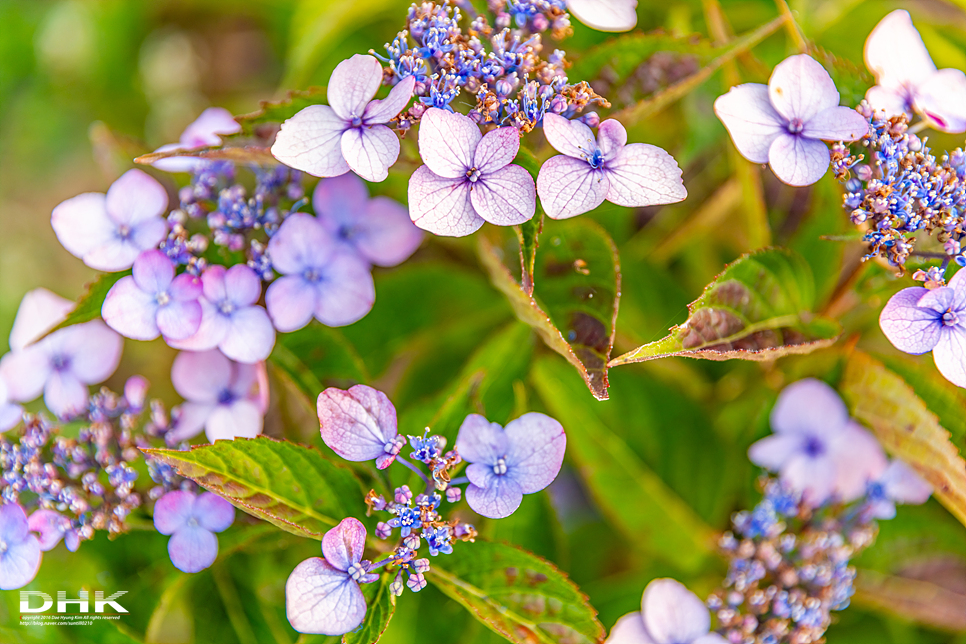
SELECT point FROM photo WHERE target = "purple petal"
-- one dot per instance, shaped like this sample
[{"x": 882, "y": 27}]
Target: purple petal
[
  {"x": 909, "y": 328},
  {"x": 814, "y": 478},
  {"x": 291, "y": 301},
  {"x": 214, "y": 513},
  {"x": 191, "y": 419},
  {"x": 837, "y": 124},
  {"x": 895, "y": 53},
  {"x": 135, "y": 197},
  {"x": 382, "y": 111},
  {"x": 322, "y": 599},
  {"x": 25, "y": 372},
  {"x": 957, "y": 283},
  {"x": 605, "y": 15},
  {"x": 250, "y": 337},
  {"x": 536, "y": 449},
  {"x": 752, "y": 122},
  {"x": 569, "y": 187},
  {"x": 629, "y": 629},
  {"x": 353, "y": 84},
  {"x": 497, "y": 149},
  {"x": 901, "y": 483},
  {"x": 242, "y": 285},
  {"x": 612, "y": 137},
  {"x": 201, "y": 376},
  {"x": 344, "y": 544},
  {"x": 711, "y": 638},
  {"x": 153, "y": 271},
  {"x": 135, "y": 391},
  {"x": 172, "y": 511},
  {"x": 95, "y": 351},
  {"x": 21, "y": 560},
  {"x": 480, "y": 441},
  {"x": 192, "y": 548},
  {"x": 311, "y": 141},
  {"x": 177, "y": 164},
  {"x": 572, "y": 138},
  {"x": 950, "y": 353},
  {"x": 179, "y": 320},
  {"x": 370, "y": 150},
  {"x": 798, "y": 161},
  {"x": 227, "y": 422},
  {"x": 385, "y": 235},
  {"x": 859, "y": 461},
  {"x": 211, "y": 332},
  {"x": 81, "y": 223},
  {"x": 213, "y": 283},
  {"x": 51, "y": 527},
  {"x": 39, "y": 312},
  {"x": 800, "y": 88},
  {"x": 498, "y": 500},
  {"x": 356, "y": 424},
  {"x": 447, "y": 143},
  {"x": 809, "y": 407},
  {"x": 65, "y": 395},
  {"x": 441, "y": 205},
  {"x": 10, "y": 413},
  {"x": 480, "y": 474},
  {"x": 346, "y": 292},
  {"x": 506, "y": 197},
  {"x": 336, "y": 201},
  {"x": 185, "y": 288},
  {"x": 131, "y": 311},
  {"x": 301, "y": 242},
  {"x": 206, "y": 128},
  {"x": 14, "y": 526},
  {"x": 942, "y": 100},
  {"x": 644, "y": 175},
  {"x": 772, "y": 452},
  {"x": 672, "y": 613}
]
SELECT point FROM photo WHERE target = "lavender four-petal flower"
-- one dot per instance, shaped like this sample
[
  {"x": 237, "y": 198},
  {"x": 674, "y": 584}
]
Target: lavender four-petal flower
[
  {"x": 323, "y": 595},
  {"x": 320, "y": 277},
  {"x": 109, "y": 231},
  {"x": 785, "y": 122},
  {"x": 507, "y": 463},
  {"x": 468, "y": 177},
  {"x": 359, "y": 424},
  {"x": 899, "y": 483},
  {"x": 592, "y": 169},
  {"x": 917, "y": 320},
  {"x": 202, "y": 132},
  {"x": 20, "y": 553},
  {"x": 670, "y": 614},
  {"x": 152, "y": 301},
  {"x": 348, "y": 134},
  {"x": 192, "y": 521}
]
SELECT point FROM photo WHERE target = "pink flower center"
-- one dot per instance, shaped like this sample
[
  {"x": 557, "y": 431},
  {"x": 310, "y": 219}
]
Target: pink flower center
[{"x": 795, "y": 126}]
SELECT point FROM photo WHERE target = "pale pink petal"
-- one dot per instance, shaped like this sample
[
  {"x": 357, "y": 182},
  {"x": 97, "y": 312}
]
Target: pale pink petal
[
  {"x": 214, "y": 513},
  {"x": 752, "y": 122},
  {"x": 498, "y": 499},
  {"x": 245, "y": 379},
  {"x": 950, "y": 354},
  {"x": 774, "y": 451},
  {"x": 809, "y": 407},
  {"x": 211, "y": 332},
  {"x": 201, "y": 376},
  {"x": 135, "y": 391},
  {"x": 901, "y": 483},
  {"x": 179, "y": 320},
  {"x": 447, "y": 142},
  {"x": 311, "y": 141},
  {"x": 81, "y": 223},
  {"x": 240, "y": 418},
  {"x": 910, "y": 328},
  {"x": 358, "y": 423},
  {"x": 644, "y": 175},
  {"x": 859, "y": 460},
  {"x": 629, "y": 629},
  {"x": 800, "y": 88},
  {"x": 39, "y": 312},
  {"x": 346, "y": 292},
  {"x": 338, "y": 199},
  {"x": 480, "y": 441},
  {"x": 572, "y": 138},
  {"x": 134, "y": 197},
  {"x": 605, "y": 15},
  {"x": 506, "y": 197},
  {"x": 95, "y": 351},
  {"x": 51, "y": 527},
  {"x": 10, "y": 414},
  {"x": 291, "y": 301},
  {"x": 942, "y": 99},
  {"x": 147, "y": 234},
  {"x": 611, "y": 137},
  {"x": 206, "y": 128},
  {"x": 370, "y": 150},
  {"x": 672, "y": 613},
  {"x": 536, "y": 449},
  {"x": 112, "y": 256},
  {"x": 192, "y": 548},
  {"x": 895, "y": 53},
  {"x": 250, "y": 337},
  {"x": 242, "y": 285},
  {"x": 344, "y": 544},
  {"x": 837, "y": 124},
  {"x": 711, "y": 638},
  {"x": 132, "y": 312},
  {"x": 301, "y": 242},
  {"x": 21, "y": 561},
  {"x": 441, "y": 205},
  {"x": 497, "y": 149},
  {"x": 153, "y": 271},
  {"x": 65, "y": 395},
  {"x": 814, "y": 478},
  {"x": 888, "y": 101},
  {"x": 25, "y": 373},
  {"x": 569, "y": 187},
  {"x": 382, "y": 111},
  {"x": 191, "y": 419},
  {"x": 322, "y": 599},
  {"x": 353, "y": 84},
  {"x": 388, "y": 236},
  {"x": 213, "y": 283},
  {"x": 186, "y": 288},
  {"x": 798, "y": 161},
  {"x": 173, "y": 510}
]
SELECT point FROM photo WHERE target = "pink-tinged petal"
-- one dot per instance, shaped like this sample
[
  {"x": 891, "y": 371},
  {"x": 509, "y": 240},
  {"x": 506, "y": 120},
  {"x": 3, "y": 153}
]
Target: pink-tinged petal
[
  {"x": 153, "y": 271},
  {"x": 132, "y": 312},
  {"x": 357, "y": 424},
  {"x": 135, "y": 391},
  {"x": 895, "y": 53},
  {"x": 447, "y": 143},
  {"x": 192, "y": 549},
  {"x": 353, "y": 84},
  {"x": 750, "y": 119},
  {"x": 909, "y": 328},
  {"x": 480, "y": 441},
  {"x": 800, "y": 88},
  {"x": 51, "y": 527},
  {"x": 242, "y": 285},
  {"x": 114, "y": 255},
  {"x": 214, "y": 513},
  {"x": 346, "y": 292},
  {"x": 201, "y": 376},
  {"x": 95, "y": 351},
  {"x": 644, "y": 175},
  {"x": 261, "y": 396},
  {"x": 859, "y": 460},
  {"x": 250, "y": 337},
  {"x": 291, "y": 301},
  {"x": 213, "y": 283},
  {"x": 441, "y": 205},
  {"x": 135, "y": 197},
  {"x": 344, "y": 544},
  {"x": 629, "y": 629},
  {"x": 301, "y": 242},
  {"x": 172, "y": 511},
  {"x": 21, "y": 560},
  {"x": 242, "y": 418},
  {"x": 711, "y": 638},
  {"x": 798, "y": 161},
  {"x": 81, "y": 223},
  {"x": 338, "y": 200},
  {"x": 211, "y": 332},
  {"x": 774, "y": 451},
  {"x": 382, "y": 111},
  {"x": 950, "y": 354},
  {"x": 672, "y": 613},
  {"x": 179, "y": 320},
  {"x": 186, "y": 288},
  {"x": 498, "y": 500},
  {"x": 536, "y": 449},
  {"x": 245, "y": 379},
  {"x": 370, "y": 150},
  {"x": 942, "y": 100},
  {"x": 837, "y": 124},
  {"x": 191, "y": 419},
  {"x": 902, "y": 484},
  {"x": 569, "y": 187},
  {"x": 65, "y": 395},
  {"x": 386, "y": 236},
  {"x": 506, "y": 197},
  {"x": 611, "y": 137},
  {"x": 605, "y": 15},
  {"x": 957, "y": 282},
  {"x": 206, "y": 128},
  {"x": 809, "y": 407},
  {"x": 572, "y": 138},
  {"x": 321, "y": 599},
  {"x": 888, "y": 101},
  {"x": 25, "y": 372},
  {"x": 814, "y": 478},
  {"x": 10, "y": 415},
  {"x": 39, "y": 312},
  {"x": 497, "y": 149},
  {"x": 311, "y": 141}
]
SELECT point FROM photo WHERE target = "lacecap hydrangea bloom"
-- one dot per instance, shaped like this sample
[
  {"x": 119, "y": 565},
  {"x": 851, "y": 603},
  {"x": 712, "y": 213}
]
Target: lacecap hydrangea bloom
[
  {"x": 670, "y": 614},
  {"x": 192, "y": 521}
]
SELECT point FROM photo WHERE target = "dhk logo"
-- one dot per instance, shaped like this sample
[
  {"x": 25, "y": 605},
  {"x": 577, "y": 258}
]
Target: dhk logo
[{"x": 82, "y": 603}]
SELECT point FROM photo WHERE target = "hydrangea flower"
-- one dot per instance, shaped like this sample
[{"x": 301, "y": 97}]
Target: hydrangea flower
[
  {"x": 320, "y": 277},
  {"x": 468, "y": 178},
  {"x": 785, "y": 122},
  {"x": 507, "y": 463},
  {"x": 908, "y": 80},
  {"x": 152, "y": 301},
  {"x": 10, "y": 412},
  {"x": 323, "y": 595},
  {"x": 203, "y": 132},
  {"x": 348, "y": 134},
  {"x": 359, "y": 424},
  {"x": 109, "y": 231},
  {"x": 230, "y": 319},
  {"x": 817, "y": 449},
  {"x": 19, "y": 548},
  {"x": 605, "y": 15},
  {"x": 192, "y": 521},
  {"x": 670, "y": 614},
  {"x": 51, "y": 527},
  {"x": 899, "y": 483},
  {"x": 590, "y": 170},
  {"x": 227, "y": 399},
  {"x": 917, "y": 320},
  {"x": 378, "y": 229}
]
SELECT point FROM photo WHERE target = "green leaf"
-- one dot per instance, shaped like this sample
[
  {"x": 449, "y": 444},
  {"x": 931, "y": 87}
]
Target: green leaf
[
  {"x": 624, "y": 54},
  {"x": 380, "y": 608},
  {"x": 243, "y": 154},
  {"x": 943, "y": 398},
  {"x": 517, "y": 594},
  {"x": 906, "y": 428},
  {"x": 289, "y": 485},
  {"x": 89, "y": 305},
  {"x": 316, "y": 357},
  {"x": 759, "y": 308},
  {"x": 577, "y": 291},
  {"x": 280, "y": 111},
  {"x": 629, "y": 494},
  {"x": 527, "y": 234}
]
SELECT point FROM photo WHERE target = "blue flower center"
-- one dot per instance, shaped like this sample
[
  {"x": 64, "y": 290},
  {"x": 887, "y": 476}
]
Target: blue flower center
[
  {"x": 356, "y": 571},
  {"x": 814, "y": 447},
  {"x": 60, "y": 362},
  {"x": 225, "y": 307},
  {"x": 3, "y": 546},
  {"x": 226, "y": 397},
  {"x": 795, "y": 126},
  {"x": 162, "y": 298},
  {"x": 346, "y": 232},
  {"x": 499, "y": 468},
  {"x": 473, "y": 175},
  {"x": 356, "y": 121},
  {"x": 192, "y": 522},
  {"x": 312, "y": 275},
  {"x": 124, "y": 232},
  {"x": 950, "y": 318},
  {"x": 596, "y": 159}
]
